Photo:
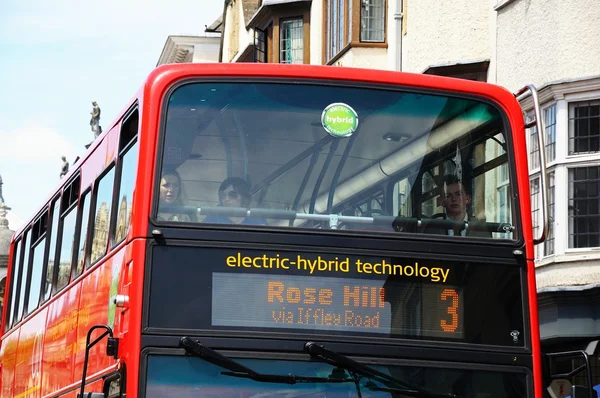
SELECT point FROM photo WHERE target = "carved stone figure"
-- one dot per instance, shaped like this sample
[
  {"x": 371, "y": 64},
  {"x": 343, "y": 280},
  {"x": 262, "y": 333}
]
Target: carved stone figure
[
  {"x": 95, "y": 120},
  {"x": 65, "y": 167}
]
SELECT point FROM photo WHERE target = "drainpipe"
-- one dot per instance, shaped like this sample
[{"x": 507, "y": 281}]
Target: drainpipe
[
  {"x": 397, "y": 34},
  {"x": 222, "y": 40}
]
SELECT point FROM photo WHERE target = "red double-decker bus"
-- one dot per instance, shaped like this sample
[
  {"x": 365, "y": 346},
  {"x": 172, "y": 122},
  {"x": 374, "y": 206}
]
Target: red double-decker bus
[{"x": 248, "y": 230}]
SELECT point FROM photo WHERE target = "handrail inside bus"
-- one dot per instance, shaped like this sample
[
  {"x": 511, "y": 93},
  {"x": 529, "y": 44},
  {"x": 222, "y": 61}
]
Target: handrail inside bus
[
  {"x": 335, "y": 219},
  {"x": 539, "y": 123}
]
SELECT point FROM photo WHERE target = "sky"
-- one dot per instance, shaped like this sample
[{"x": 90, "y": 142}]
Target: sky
[{"x": 56, "y": 57}]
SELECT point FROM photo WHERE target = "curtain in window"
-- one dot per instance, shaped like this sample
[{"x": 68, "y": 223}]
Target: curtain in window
[{"x": 291, "y": 43}]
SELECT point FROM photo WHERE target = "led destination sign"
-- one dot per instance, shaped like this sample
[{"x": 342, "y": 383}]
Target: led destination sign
[
  {"x": 371, "y": 304},
  {"x": 300, "y": 302}
]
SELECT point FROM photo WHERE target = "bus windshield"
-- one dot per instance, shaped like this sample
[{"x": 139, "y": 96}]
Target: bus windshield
[
  {"x": 325, "y": 156},
  {"x": 184, "y": 376}
]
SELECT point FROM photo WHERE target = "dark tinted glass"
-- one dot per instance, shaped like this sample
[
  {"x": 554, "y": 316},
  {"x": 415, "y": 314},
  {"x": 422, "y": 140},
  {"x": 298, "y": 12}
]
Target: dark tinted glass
[
  {"x": 321, "y": 156},
  {"x": 183, "y": 377}
]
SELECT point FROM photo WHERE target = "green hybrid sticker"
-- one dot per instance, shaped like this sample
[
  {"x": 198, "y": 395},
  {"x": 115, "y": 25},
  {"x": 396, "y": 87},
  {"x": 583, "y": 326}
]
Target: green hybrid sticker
[{"x": 339, "y": 120}]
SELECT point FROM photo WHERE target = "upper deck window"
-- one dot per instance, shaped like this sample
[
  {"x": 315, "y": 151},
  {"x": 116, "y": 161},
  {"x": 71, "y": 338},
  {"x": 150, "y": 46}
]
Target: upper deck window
[{"x": 335, "y": 157}]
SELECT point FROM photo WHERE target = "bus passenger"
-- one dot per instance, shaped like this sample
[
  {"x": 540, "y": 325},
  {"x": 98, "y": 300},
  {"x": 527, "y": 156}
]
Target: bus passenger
[
  {"x": 455, "y": 200},
  {"x": 170, "y": 194},
  {"x": 235, "y": 192}
]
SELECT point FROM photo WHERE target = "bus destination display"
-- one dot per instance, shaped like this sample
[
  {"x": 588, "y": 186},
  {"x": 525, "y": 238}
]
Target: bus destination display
[{"x": 373, "y": 304}]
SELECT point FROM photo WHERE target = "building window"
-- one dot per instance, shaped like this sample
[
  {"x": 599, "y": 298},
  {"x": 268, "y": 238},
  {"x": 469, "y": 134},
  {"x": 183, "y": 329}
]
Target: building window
[
  {"x": 534, "y": 147},
  {"x": 260, "y": 46},
  {"x": 282, "y": 33},
  {"x": 534, "y": 191},
  {"x": 584, "y": 211},
  {"x": 352, "y": 23},
  {"x": 550, "y": 126},
  {"x": 584, "y": 127},
  {"x": 336, "y": 22},
  {"x": 549, "y": 243},
  {"x": 372, "y": 18},
  {"x": 291, "y": 41}
]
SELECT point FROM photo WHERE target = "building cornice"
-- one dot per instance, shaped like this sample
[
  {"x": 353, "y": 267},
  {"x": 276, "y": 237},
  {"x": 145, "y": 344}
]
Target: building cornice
[
  {"x": 263, "y": 13},
  {"x": 244, "y": 53},
  {"x": 178, "y": 49},
  {"x": 502, "y": 3},
  {"x": 557, "y": 90}
]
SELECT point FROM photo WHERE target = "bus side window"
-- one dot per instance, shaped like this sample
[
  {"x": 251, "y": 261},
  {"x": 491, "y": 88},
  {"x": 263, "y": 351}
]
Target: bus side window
[
  {"x": 16, "y": 271},
  {"x": 84, "y": 218},
  {"x": 68, "y": 219},
  {"x": 126, "y": 173},
  {"x": 2, "y": 293},
  {"x": 38, "y": 239},
  {"x": 51, "y": 250},
  {"x": 23, "y": 277},
  {"x": 102, "y": 208}
]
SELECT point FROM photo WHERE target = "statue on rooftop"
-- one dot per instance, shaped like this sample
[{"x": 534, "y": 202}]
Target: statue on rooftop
[
  {"x": 95, "y": 120},
  {"x": 65, "y": 167}
]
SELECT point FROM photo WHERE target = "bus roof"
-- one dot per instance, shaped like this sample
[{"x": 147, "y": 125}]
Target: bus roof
[{"x": 164, "y": 76}]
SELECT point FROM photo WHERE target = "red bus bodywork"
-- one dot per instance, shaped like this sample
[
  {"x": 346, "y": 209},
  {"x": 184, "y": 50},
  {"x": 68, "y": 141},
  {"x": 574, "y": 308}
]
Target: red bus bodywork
[{"x": 43, "y": 354}]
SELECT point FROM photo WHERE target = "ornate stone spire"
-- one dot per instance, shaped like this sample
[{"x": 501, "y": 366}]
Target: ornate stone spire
[
  {"x": 1, "y": 197},
  {"x": 3, "y": 209},
  {"x": 3, "y": 219}
]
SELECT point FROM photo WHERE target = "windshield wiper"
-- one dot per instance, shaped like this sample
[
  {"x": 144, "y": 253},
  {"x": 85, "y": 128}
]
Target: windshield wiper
[
  {"x": 236, "y": 369},
  {"x": 392, "y": 384}
]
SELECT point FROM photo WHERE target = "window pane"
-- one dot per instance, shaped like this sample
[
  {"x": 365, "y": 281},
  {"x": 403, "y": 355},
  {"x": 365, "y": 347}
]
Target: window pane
[
  {"x": 584, "y": 210},
  {"x": 83, "y": 233},
  {"x": 349, "y": 38},
  {"x": 333, "y": 30},
  {"x": 341, "y": 24},
  {"x": 291, "y": 43},
  {"x": 372, "y": 21},
  {"x": 550, "y": 125},
  {"x": 66, "y": 249},
  {"x": 52, "y": 250},
  {"x": 584, "y": 127},
  {"x": 14, "y": 283},
  {"x": 260, "y": 45},
  {"x": 549, "y": 244},
  {"x": 336, "y": 23},
  {"x": 102, "y": 218},
  {"x": 36, "y": 276},
  {"x": 23, "y": 277},
  {"x": 270, "y": 150},
  {"x": 534, "y": 190},
  {"x": 128, "y": 172},
  {"x": 534, "y": 146}
]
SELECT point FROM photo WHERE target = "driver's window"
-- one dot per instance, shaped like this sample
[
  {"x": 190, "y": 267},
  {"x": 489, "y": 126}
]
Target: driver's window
[{"x": 492, "y": 193}]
